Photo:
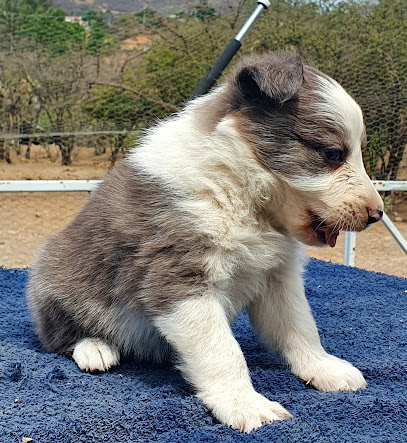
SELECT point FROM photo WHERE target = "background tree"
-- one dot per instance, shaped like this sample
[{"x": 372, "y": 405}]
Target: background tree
[
  {"x": 13, "y": 93},
  {"x": 99, "y": 41},
  {"x": 81, "y": 80}
]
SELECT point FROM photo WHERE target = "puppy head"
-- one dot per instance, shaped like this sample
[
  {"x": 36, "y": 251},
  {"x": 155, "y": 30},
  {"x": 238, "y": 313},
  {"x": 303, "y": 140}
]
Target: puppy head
[{"x": 308, "y": 132}]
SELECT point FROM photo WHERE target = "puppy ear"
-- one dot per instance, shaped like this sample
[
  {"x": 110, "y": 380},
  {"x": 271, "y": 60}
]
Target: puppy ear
[{"x": 275, "y": 76}]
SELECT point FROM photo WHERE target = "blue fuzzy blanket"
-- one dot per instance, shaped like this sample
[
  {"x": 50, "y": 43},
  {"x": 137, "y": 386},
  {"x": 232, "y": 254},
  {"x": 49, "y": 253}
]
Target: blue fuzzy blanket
[{"x": 362, "y": 317}]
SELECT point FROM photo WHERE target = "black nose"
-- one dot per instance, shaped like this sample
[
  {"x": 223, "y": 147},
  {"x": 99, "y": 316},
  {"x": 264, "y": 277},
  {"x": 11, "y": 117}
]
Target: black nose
[{"x": 375, "y": 215}]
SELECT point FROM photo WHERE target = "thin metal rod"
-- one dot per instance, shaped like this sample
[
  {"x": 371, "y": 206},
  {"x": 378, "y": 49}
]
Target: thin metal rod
[
  {"x": 250, "y": 21},
  {"x": 395, "y": 233}
]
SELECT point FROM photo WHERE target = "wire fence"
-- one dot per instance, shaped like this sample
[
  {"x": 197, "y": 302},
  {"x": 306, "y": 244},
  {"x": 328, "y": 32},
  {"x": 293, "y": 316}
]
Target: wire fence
[{"x": 75, "y": 94}]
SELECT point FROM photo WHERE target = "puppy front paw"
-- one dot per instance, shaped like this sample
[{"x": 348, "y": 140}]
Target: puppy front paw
[
  {"x": 247, "y": 411},
  {"x": 331, "y": 374}
]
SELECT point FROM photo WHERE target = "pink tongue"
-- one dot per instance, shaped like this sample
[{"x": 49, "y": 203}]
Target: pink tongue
[{"x": 331, "y": 236}]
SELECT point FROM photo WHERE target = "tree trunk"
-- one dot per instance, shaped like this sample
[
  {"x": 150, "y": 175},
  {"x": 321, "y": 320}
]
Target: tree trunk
[
  {"x": 28, "y": 151},
  {"x": 66, "y": 147},
  {"x": 5, "y": 151},
  {"x": 118, "y": 145}
]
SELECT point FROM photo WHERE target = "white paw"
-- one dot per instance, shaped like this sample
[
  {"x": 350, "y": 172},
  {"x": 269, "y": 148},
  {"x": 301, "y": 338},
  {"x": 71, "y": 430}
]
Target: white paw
[
  {"x": 332, "y": 374},
  {"x": 94, "y": 354},
  {"x": 248, "y": 411}
]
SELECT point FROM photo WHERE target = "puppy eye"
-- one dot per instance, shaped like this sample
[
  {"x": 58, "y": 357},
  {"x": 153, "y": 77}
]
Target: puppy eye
[{"x": 333, "y": 155}]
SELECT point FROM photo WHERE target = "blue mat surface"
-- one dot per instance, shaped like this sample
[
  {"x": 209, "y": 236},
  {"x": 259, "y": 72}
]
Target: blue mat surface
[{"x": 361, "y": 316}]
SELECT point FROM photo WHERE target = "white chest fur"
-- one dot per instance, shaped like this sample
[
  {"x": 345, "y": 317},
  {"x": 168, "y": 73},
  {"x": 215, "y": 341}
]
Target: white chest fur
[{"x": 223, "y": 183}]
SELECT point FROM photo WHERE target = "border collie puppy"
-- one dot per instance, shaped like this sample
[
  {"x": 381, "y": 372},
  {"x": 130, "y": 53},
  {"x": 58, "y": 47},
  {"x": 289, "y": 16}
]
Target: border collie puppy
[{"x": 205, "y": 218}]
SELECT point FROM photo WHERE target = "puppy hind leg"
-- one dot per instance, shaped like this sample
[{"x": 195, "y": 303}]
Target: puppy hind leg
[
  {"x": 55, "y": 327},
  {"x": 95, "y": 354},
  {"x": 212, "y": 361}
]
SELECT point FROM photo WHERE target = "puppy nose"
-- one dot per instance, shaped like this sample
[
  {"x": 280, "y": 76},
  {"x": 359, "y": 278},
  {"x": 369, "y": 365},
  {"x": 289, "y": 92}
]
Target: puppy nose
[{"x": 374, "y": 215}]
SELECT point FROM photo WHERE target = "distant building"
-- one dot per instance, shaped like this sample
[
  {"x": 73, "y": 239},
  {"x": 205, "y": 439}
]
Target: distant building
[{"x": 76, "y": 19}]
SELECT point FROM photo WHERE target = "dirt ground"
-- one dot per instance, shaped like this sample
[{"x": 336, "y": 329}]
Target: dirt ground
[{"x": 27, "y": 218}]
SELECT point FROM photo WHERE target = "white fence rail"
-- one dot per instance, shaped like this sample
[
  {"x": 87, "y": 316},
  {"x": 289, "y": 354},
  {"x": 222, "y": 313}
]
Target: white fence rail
[
  {"x": 89, "y": 185},
  {"x": 48, "y": 185}
]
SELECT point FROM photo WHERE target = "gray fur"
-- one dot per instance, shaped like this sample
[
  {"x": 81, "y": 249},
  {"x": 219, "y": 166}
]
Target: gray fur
[{"x": 125, "y": 257}]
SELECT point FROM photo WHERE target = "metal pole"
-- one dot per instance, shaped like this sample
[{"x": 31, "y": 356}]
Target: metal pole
[
  {"x": 228, "y": 53},
  {"x": 251, "y": 19}
]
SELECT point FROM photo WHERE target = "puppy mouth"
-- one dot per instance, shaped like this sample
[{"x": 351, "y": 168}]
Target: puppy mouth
[{"x": 326, "y": 234}]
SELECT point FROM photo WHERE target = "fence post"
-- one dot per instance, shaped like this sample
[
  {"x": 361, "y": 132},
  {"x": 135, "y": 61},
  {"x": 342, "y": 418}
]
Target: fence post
[{"x": 349, "y": 249}]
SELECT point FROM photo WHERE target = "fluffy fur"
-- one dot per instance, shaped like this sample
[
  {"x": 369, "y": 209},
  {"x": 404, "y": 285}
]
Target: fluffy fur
[{"x": 204, "y": 219}]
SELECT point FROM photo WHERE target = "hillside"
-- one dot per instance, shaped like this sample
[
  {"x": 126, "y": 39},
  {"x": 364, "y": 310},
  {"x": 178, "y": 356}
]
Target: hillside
[{"x": 164, "y": 7}]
